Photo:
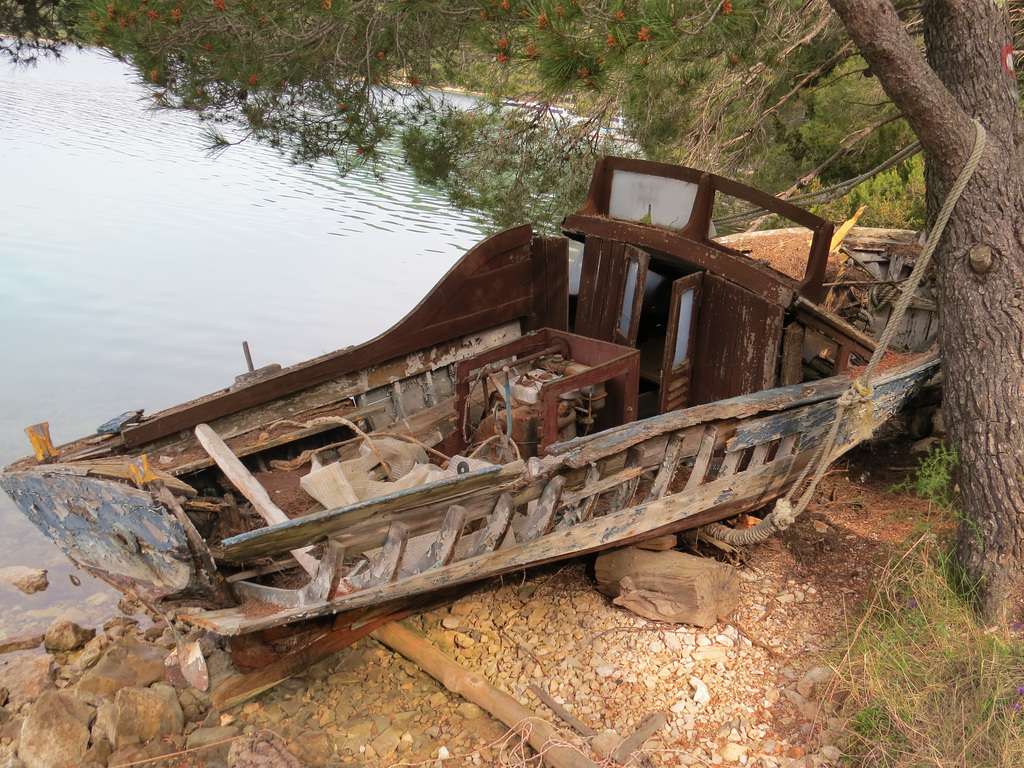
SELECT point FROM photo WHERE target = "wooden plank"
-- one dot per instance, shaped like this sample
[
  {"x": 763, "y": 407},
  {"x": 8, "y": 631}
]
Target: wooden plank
[
  {"x": 597, "y": 487},
  {"x": 579, "y": 506},
  {"x": 250, "y": 487},
  {"x": 442, "y": 549},
  {"x": 493, "y": 533},
  {"x": 589, "y": 302},
  {"x": 667, "y": 470},
  {"x": 703, "y": 460},
  {"x": 737, "y": 344},
  {"x": 539, "y": 522},
  {"x": 583, "y": 450},
  {"x": 791, "y": 366},
  {"x": 758, "y": 431},
  {"x": 551, "y": 282},
  {"x": 759, "y": 455},
  {"x": 381, "y": 570},
  {"x": 318, "y": 526},
  {"x": 623, "y": 496},
  {"x": 317, "y": 590},
  {"x": 730, "y": 464}
]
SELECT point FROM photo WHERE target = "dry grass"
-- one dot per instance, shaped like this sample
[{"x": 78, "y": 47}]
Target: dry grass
[{"x": 924, "y": 683}]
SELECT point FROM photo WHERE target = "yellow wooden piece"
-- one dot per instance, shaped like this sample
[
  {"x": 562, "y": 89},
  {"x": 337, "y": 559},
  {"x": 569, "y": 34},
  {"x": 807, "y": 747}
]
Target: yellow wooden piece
[
  {"x": 844, "y": 230},
  {"x": 42, "y": 445},
  {"x": 140, "y": 472}
]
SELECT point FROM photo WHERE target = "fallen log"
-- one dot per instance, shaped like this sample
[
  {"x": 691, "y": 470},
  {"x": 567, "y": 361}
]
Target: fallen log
[
  {"x": 474, "y": 688},
  {"x": 668, "y": 586}
]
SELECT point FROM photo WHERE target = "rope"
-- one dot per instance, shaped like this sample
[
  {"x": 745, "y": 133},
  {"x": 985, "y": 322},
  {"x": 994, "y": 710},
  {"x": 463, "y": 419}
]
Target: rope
[{"x": 856, "y": 401}]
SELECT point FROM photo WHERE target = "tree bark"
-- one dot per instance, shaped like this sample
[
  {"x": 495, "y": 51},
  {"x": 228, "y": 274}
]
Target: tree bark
[{"x": 980, "y": 259}]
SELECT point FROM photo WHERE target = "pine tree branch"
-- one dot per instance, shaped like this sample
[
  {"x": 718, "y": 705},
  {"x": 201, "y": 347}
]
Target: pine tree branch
[{"x": 944, "y": 129}]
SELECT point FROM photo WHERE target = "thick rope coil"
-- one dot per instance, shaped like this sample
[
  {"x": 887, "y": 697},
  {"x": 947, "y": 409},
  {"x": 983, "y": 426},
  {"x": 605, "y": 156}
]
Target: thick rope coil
[{"x": 859, "y": 395}]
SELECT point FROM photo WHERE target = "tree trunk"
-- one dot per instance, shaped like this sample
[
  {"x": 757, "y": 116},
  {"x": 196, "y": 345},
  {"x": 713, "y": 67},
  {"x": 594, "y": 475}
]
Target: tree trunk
[{"x": 980, "y": 259}]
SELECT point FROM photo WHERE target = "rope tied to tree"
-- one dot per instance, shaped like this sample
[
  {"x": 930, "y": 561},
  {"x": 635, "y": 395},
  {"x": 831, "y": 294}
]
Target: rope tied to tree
[{"x": 859, "y": 396}]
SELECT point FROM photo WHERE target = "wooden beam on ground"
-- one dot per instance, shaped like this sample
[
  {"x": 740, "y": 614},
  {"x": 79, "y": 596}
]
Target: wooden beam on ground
[{"x": 474, "y": 688}]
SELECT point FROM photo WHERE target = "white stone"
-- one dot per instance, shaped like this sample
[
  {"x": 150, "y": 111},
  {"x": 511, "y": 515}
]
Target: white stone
[
  {"x": 732, "y": 751},
  {"x": 701, "y": 694}
]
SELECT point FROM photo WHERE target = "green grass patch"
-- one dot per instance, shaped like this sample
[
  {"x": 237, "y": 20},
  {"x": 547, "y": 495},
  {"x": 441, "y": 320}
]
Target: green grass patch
[
  {"x": 935, "y": 479},
  {"x": 924, "y": 683}
]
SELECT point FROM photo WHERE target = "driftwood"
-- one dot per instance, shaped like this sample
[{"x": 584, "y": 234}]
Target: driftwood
[
  {"x": 649, "y": 726},
  {"x": 474, "y": 688},
  {"x": 578, "y": 725},
  {"x": 668, "y": 586}
]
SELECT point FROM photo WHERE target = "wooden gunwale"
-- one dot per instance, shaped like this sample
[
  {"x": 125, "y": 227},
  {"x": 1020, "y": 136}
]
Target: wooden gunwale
[{"x": 582, "y": 450}]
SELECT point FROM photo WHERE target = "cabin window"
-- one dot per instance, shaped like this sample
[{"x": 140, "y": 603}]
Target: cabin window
[
  {"x": 629, "y": 299},
  {"x": 682, "y": 350},
  {"x": 651, "y": 199}
]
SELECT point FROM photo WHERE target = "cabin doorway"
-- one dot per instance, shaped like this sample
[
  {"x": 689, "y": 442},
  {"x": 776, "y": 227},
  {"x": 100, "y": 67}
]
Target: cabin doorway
[{"x": 701, "y": 337}]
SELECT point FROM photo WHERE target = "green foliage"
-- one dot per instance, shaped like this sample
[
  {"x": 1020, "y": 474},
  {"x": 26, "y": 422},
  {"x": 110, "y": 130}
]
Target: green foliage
[
  {"x": 935, "y": 478},
  {"x": 521, "y": 165},
  {"x": 36, "y": 28},
  {"x": 924, "y": 683},
  {"x": 760, "y": 90},
  {"x": 895, "y": 198}
]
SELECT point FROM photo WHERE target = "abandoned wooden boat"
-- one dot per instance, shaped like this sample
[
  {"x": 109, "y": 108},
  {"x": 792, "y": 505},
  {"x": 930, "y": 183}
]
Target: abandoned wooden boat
[{"x": 523, "y": 412}]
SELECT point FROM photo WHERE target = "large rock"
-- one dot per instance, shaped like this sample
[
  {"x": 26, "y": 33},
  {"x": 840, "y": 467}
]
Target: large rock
[
  {"x": 64, "y": 635},
  {"x": 93, "y": 652},
  {"x": 26, "y": 678},
  {"x": 52, "y": 735},
  {"x": 28, "y": 580},
  {"x": 142, "y": 714},
  {"x": 129, "y": 663}
]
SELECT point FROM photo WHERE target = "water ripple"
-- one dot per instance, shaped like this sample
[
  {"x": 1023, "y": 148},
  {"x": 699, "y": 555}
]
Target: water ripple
[{"x": 133, "y": 265}]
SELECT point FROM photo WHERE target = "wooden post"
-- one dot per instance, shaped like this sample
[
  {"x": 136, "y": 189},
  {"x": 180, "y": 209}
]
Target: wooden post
[
  {"x": 473, "y": 687},
  {"x": 42, "y": 445},
  {"x": 249, "y": 487}
]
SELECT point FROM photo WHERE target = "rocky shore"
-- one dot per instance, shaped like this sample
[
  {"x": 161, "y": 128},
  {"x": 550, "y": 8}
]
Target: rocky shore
[{"x": 750, "y": 690}]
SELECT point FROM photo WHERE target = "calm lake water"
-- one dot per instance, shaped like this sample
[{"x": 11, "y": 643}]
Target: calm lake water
[{"x": 133, "y": 265}]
